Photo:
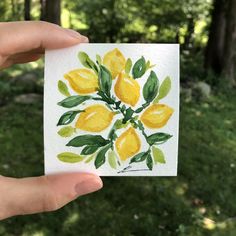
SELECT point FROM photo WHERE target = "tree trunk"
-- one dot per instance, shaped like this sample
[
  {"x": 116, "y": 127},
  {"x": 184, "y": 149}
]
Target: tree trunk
[
  {"x": 229, "y": 69},
  {"x": 53, "y": 11},
  {"x": 221, "y": 48},
  {"x": 189, "y": 34},
  {"x": 13, "y": 7},
  {"x": 27, "y": 9},
  {"x": 215, "y": 46},
  {"x": 177, "y": 40},
  {"x": 42, "y": 9}
]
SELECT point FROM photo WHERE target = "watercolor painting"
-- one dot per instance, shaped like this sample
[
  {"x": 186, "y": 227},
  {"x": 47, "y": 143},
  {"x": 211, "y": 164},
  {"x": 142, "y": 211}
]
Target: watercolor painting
[
  {"x": 113, "y": 114},
  {"x": 94, "y": 82}
]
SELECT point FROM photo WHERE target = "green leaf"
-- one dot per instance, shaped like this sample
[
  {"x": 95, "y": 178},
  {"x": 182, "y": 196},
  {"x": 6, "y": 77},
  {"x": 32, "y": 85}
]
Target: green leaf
[
  {"x": 73, "y": 101},
  {"x": 68, "y": 117},
  {"x": 139, "y": 157},
  {"x": 118, "y": 103},
  {"x": 112, "y": 159},
  {"x": 87, "y": 62},
  {"x": 119, "y": 124},
  {"x": 158, "y": 138},
  {"x": 87, "y": 139},
  {"x": 62, "y": 87},
  {"x": 128, "y": 114},
  {"x": 139, "y": 110},
  {"x": 149, "y": 161},
  {"x": 140, "y": 125},
  {"x": 158, "y": 155},
  {"x": 101, "y": 156},
  {"x": 139, "y": 68},
  {"x": 99, "y": 59},
  {"x": 164, "y": 89},
  {"x": 87, "y": 150},
  {"x": 150, "y": 88},
  {"x": 105, "y": 80},
  {"x": 148, "y": 65},
  {"x": 128, "y": 66},
  {"x": 90, "y": 158},
  {"x": 69, "y": 157},
  {"x": 112, "y": 134},
  {"x": 123, "y": 108},
  {"x": 66, "y": 131}
]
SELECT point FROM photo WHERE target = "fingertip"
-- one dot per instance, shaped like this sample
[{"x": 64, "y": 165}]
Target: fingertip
[
  {"x": 74, "y": 34},
  {"x": 77, "y": 184},
  {"x": 88, "y": 185}
]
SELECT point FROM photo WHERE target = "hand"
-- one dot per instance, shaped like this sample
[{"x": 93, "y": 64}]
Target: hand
[{"x": 22, "y": 42}]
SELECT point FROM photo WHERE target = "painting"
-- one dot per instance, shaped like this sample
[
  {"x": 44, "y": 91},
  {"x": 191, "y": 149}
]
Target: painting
[{"x": 112, "y": 109}]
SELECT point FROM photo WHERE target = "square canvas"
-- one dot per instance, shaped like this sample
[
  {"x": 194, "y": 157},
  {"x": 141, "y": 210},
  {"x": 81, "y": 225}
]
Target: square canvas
[{"x": 112, "y": 109}]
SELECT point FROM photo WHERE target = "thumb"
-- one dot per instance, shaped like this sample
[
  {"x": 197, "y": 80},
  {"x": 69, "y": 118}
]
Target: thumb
[
  {"x": 18, "y": 37},
  {"x": 45, "y": 193}
]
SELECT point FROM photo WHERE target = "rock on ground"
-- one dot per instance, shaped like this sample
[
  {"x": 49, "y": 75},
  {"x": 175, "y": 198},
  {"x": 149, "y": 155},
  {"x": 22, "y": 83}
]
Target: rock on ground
[{"x": 30, "y": 98}]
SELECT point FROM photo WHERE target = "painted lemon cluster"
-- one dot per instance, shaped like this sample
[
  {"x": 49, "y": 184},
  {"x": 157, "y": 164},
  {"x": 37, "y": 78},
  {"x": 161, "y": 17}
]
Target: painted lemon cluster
[{"x": 112, "y": 84}]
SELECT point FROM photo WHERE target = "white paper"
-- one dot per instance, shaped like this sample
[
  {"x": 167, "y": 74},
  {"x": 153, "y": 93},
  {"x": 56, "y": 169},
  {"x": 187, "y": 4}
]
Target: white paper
[{"x": 165, "y": 58}]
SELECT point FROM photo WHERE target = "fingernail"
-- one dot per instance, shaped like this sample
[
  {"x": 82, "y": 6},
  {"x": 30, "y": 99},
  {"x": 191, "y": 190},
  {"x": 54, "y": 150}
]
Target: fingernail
[
  {"x": 84, "y": 39},
  {"x": 90, "y": 185},
  {"x": 77, "y": 35},
  {"x": 73, "y": 33}
]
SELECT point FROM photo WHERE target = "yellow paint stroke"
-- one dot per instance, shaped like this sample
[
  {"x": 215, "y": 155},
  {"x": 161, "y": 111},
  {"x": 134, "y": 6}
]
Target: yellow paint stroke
[
  {"x": 127, "y": 89},
  {"x": 128, "y": 144},
  {"x": 156, "y": 116},
  {"x": 82, "y": 81},
  {"x": 114, "y": 61},
  {"x": 95, "y": 118}
]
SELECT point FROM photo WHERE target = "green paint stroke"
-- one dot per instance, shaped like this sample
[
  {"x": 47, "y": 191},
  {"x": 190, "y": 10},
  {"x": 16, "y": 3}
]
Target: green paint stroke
[
  {"x": 63, "y": 89},
  {"x": 66, "y": 131},
  {"x": 158, "y": 155},
  {"x": 70, "y": 157}
]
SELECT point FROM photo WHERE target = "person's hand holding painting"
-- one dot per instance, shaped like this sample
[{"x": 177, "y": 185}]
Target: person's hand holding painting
[{"x": 22, "y": 42}]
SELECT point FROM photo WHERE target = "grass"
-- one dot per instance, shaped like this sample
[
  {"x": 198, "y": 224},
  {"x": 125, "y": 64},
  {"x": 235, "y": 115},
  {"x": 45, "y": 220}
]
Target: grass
[{"x": 200, "y": 201}]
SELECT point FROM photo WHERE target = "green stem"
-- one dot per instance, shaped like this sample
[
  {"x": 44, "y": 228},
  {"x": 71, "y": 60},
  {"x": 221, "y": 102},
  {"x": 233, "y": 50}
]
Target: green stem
[
  {"x": 140, "y": 127},
  {"x": 129, "y": 166},
  {"x": 140, "y": 109},
  {"x": 133, "y": 170},
  {"x": 125, "y": 169},
  {"x": 112, "y": 136},
  {"x": 117, "y": 107},
  {"x": 110, "y": 101}
]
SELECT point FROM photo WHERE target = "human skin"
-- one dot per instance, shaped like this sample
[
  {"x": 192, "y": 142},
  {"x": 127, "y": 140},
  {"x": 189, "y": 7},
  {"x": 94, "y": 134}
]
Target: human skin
[{"x": 22, "y": 42}]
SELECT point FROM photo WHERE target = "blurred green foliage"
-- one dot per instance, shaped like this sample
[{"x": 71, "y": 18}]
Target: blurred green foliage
[
  {"x": 126, "y": 20},
  {"x": 144, "y": 21}
]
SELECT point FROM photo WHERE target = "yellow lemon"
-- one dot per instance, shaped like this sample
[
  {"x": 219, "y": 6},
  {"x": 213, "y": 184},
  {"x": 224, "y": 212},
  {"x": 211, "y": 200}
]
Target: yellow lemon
[
  {"x": 95, "y": 118},
  {"x": 128, "y": 144},
  {"x": 157, "y": 115},
  {"x": 114, "y": 62},
  {"x": 127, "y": 89},
  {"x": 83, "y": 81}
]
